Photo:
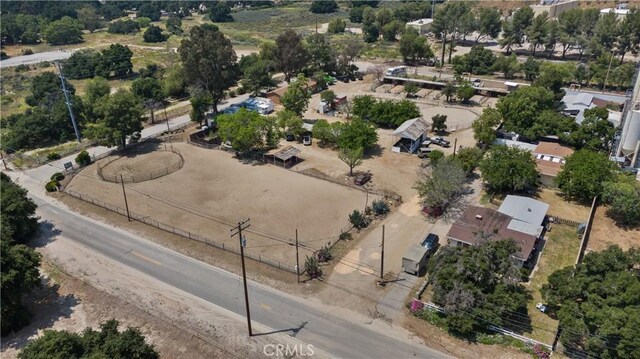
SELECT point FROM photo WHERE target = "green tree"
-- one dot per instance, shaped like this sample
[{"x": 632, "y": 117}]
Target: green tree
[
  {"x": 413, "y": 47},
  {"x": 469, "y": 158},
  {"x": 449, "y": 90},
  {"x": 20, "y": 263},
  {"x": 595, "y": 133},
  {"x": 174, "y": 25},
  {"x": 118, "y": 116},
  {"x": 328, "y": 96},
  {"x": 123, "y": 27},
  {"x": 63, "y": 32},
  {"x": 439, "y": 123},
  {"x": 200, "y": 103},
  {"x": 257, "y": 77},
  {"x": 323, "y": 6},
  {"x": 623, "y": 198},
  {"x": 370, "y": 28},
  {"x": 81, "y": 65},
  {"x": 96, "y": 89},
  {"x": 478, "y": 286},
  {"x": 149, "y": 10},
  {"x": 107, "y": 342},
  {"x": 584, "y": 173},
  {"x": 90, "y": 18},
  {"x": 296, "y": 98},
  {"x": 321, "y": 54},
  {"x": 290, "y": 123},
  {"x": 508, "y": 169},
  {"x": 442, "y": 186},
  {"x": 337, "y": 26},
  {"x": 508, "y": 65},
  {"x": 114, "y": 61},
  {"x": 489, "y": 23},
  {"x": 219, "y": 11},
  {"x": 154, "y": 34},
  {"x": 531, "y": 69},
  {"x": 362, "y": 106},
  {"x": 515, "y": 30},
  {"x": 290, "y": 54},
  {"x": 410, "y": 88},
  {"x": 326, "y": 133},
  {"x": 391, "y": 30},
  {"x": 149, "y": 91},
  {"x": 435, "y": 156},
  {"x": 209, "y": 62},
  {"x": 598, "y": 303},
  {"x": 389, "y": 113},
  {"x": 352, "y": 157},
  {"x": 520, "y": 108},
  {"x": 173, "y": 83},
  {"x": 355, "y": 14},
  {"x": 570, "y": 29},
  {"x": 357, "y": 134},
  {"x": 247, "y": 129},
  {"x": 538, "y": 31},
  {"x": 465, "y": 92},
  {"x": 478, "y": 61}
]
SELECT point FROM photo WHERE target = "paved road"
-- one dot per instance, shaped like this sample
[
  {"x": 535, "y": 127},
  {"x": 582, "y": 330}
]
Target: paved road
[
  {"x": 36, "y": 58},
  {"x": 271, "y": 308}
]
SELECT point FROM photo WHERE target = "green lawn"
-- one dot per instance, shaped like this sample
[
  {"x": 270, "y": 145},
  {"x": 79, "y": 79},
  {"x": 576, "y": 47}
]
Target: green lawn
[{"x": 559, "y": 252}]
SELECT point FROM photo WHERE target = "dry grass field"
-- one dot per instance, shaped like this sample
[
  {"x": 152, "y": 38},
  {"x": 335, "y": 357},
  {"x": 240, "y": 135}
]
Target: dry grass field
[{"x": 213, "y": 191}]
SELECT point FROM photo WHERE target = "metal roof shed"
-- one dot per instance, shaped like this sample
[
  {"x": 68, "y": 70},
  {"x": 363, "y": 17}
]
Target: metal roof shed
[{"x": 284, "y": 155}]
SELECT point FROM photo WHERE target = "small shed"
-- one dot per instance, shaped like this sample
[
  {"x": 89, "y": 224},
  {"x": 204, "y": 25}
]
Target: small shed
[
  {"x": 412, "y": 133},
  {"x": 289, "y": 156}
]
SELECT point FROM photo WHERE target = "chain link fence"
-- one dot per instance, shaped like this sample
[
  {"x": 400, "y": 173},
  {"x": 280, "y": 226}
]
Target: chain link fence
[{"x": 182, "y": 233}]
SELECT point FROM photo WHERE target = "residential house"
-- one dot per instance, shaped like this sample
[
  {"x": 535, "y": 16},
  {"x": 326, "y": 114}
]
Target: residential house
[
  {"x": 423, "y": 25},
  {"x": 549, "y": 159},
  {"x": 518, "y": 218},
  {"x": 576, "y": 102}
]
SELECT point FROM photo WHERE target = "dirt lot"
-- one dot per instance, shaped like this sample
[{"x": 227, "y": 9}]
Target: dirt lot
[
  {"x": 605, "y": 233},
  {"x": 147, "y": 161},
  {"x": 213, "y": 191}
]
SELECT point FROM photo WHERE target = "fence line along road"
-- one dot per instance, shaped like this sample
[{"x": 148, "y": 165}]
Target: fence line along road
[{"x": 182, "y": 233}]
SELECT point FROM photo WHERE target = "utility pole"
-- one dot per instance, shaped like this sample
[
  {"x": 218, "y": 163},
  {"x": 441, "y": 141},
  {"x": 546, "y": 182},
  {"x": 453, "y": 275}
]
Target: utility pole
[
  {"x": 455, "y": 145},
  {"x": 382, "y": 255},
  {"x": 3, "y": 161},
  {"x": 126, "y": 204},
  {"x": 297, "y": 258},
  {"x": 68, "y": 101},
  {"x": 433, "y": 8},
  {"x": 243, "y": 242}
]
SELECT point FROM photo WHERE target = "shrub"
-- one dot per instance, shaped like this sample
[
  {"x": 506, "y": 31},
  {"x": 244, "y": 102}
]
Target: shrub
[
  {"x": 58, "y": 176},
  {"x": 324, "y": 254},
  {"x": 380, "y": 207},
  {"x": 83, "y": 158},
  {"x": 27, "y": 51},
  {"x": 241, "y": 90},
  {"x": 52, "y": 186},
  {"x": 22, "y": 68},
  {"x": 313, "y": 268},
  {"x": 232, "y": 93},
  {"x": 53, "y": 156},
  {"x": 345, "y": 236},
  {"x": 358, "y": 219}
]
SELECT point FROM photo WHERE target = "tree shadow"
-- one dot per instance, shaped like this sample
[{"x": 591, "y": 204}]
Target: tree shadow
[
  {"x": 374, "y": 151},
  {"x": 147, "y": 147},
  {"x": 46, "y": 233},
  {"x": 47, "y": 306}
]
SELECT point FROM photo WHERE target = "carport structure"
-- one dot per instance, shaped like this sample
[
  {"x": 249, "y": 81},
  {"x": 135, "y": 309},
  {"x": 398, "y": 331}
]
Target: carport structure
[{"x": 289, "y": 156}]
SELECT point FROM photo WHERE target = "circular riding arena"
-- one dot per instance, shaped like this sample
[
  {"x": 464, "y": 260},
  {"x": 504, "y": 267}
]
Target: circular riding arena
[{"x": 142, "y": 163}]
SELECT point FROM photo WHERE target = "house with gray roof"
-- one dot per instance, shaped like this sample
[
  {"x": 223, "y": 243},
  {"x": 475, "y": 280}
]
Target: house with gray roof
[{"x": 410, "y": 135}]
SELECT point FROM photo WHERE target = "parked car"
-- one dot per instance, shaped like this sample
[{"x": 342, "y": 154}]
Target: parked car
[
  {"x": 430, "y": 243},
  {"x": 424, "y": 152},
  {"x": 290, "y": 137},
  {"x": 477, "y": 83},
  {"x": 362, "y": 178},
  {"x": 441, "y": 142},
  {"x": 306, "y": 140},
  {"x": 541, "y": 307},
  {"x": 343, "y": 78}
]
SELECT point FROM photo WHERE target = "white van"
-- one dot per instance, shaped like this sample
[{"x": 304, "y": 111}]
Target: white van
[{"x": 397, "y": 71}]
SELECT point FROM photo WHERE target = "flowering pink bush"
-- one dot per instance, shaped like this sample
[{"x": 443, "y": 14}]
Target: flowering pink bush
[
  {"x": 540, "y": 352},
  {"x": 416, "y": 305}
]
